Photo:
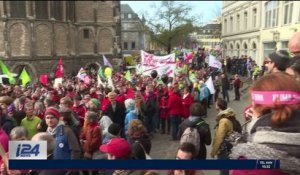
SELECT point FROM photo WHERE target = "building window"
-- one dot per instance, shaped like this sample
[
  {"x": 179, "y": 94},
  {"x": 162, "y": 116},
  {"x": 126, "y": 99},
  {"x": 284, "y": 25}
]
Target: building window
[
  {"x": 284, "y": 45},
  {"x": 288, "y": 11},
  {"x": 129, "y": 15},
  {"x": 71, "y": 13},
  {"x": 122, "y": 15},
  {"x": 254, "y": 17},
  {"x": 269, "y": 48},
  {"x": 237, "y": 23},
  {"x": 231, "y": 24},
  {"x": 271, "y": 15},
  {"x": 225, "y": 26},
  {"x": 17, "y": 9},
  {"x": 57, "y": 10},
  {"x": 86, "y": 33},
  {"x": 245, "y": 20},
  {"x": 41, "y": 9},
  {"x": 132, "y": 45},
  {"x": 125, "y": 46}
]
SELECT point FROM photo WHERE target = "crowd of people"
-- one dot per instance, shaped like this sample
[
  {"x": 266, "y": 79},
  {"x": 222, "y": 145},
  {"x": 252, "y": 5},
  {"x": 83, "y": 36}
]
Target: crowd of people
[{"x": 89, "y": 121}]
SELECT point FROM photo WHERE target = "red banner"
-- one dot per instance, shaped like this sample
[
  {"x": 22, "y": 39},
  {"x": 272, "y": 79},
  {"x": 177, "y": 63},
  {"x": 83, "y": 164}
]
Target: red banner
[{"x": 44, "y": 79}]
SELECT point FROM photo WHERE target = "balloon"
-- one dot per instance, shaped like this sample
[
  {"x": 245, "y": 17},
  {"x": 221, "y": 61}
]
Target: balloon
[
  {"x": 164, "y": 78},
  {"x": 154, "y": 74},
  {"x": 108, "y": 72}
]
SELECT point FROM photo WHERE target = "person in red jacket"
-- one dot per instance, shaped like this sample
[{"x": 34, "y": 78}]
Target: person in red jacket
[
  {"x": 187, "y": 101},
  {"x": 164, "y": 112},
  {"x": 79, "y": 108},
  {"x": 175, "y": 108},
  {"x": 130, "y": 91}
]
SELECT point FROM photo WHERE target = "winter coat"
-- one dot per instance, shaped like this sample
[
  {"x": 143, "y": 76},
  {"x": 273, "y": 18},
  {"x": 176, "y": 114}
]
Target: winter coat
[
  {"x": 204, "y": 131},
  {"x": 187, "y": 102},
  {"x": 130, "y": 93},
  {"x": 237, "y": 83},
  {"x": 7, "y": 124},
  {"x": 120, "y": 98},
  {"x": 150, "y": 105},
  {"x": 129, "y": 117},
  {"x": 66, "y": 144},
  {"x": 223, "y": 128},
  {"x": 80, "y": 111},
  {"x": 117, "y": 115},
  {"x": 93, "y": 137},
  {"x": 275, "y": 142},
  {"x": 225, "y": 84},
  {"x": 163, "y": 110},
  {"x": 175, "y": 104},
  {"x": 4, "y": 138},
  {"x": 203, "y": 93},
  {"x": 104, "y": 123}
]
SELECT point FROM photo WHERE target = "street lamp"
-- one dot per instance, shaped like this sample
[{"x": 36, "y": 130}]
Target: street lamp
[{"x": 276, "y": 36}]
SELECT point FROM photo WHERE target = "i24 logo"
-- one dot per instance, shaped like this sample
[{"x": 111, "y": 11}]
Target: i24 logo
[{"x": 26, "y": 150}]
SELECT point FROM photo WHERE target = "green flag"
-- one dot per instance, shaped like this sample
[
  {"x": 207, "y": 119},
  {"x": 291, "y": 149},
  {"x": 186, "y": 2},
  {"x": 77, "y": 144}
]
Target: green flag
[
  {"x": 128, "y": 76},
  {"x": 24, "y": 77},
  {"x": 5, "y": 71},
  {"x": 100, "y": 72},
  {"x": 4, "y": 68}
]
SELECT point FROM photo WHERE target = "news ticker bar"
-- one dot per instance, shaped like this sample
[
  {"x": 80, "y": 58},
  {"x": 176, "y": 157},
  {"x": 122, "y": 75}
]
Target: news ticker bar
[{"x": 145, "y": 164}]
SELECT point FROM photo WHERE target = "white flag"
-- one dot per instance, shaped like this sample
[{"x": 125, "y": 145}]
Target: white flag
[
  {"x": 99, "y": 81},
  {"x": 106, "y": 62},
  {"x": 110, "y": 83},
  {"x": 81, "y": 74},
  {"x": 213, "y": 62},
  {"x": 210, "y": 85}
]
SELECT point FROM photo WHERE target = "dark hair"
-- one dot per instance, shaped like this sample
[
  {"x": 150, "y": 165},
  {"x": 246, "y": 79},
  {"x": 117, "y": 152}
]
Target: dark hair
[
  {"x": 78, "y": 97},
  {"x": 114, "y": 129},
  {"x": 280, "y": 58},
  {"x": 197, "y": 109},
  {"x": 137, "y": 151},
  {"x": 49, "y": 102},
  {"x": 188, "y": 147},
  {"x": 295, "y": 64},
  {"x": 222, "y": 104}
]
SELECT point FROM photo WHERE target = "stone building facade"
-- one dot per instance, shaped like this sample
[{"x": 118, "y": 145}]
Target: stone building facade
[
  {"x": 257, "y": 28},
  {"x": 207, "y": 36},
  {"x": 35, "y": 34},
  {"x": 134, "y": 35}
]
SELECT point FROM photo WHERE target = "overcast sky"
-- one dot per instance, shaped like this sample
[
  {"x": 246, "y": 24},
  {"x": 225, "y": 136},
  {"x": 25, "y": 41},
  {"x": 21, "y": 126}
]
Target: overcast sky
[{"x": 207, "y": 8}]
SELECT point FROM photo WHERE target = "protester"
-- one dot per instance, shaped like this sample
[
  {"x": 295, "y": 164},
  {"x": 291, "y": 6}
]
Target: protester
[
  {"x": 277, "y": 61},
  {"x": 31, "y": 121},
  {"x": 196, "y": 120},
  {"x": 67, "y": 146},
  {"x": 237, "y": 85},
  {"x": 293, "y": 68},
  {"x": 294, "y": 44},
  {"x": 186, "y": 151},
  {"x": 223, "y": 128},
  {"x": 275, "y": 135}
]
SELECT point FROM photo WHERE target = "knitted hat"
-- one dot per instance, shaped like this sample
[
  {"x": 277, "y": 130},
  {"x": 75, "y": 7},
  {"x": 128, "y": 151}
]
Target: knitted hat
[
  {"x": 95, "y": 102},
  {"x": 280, "y": 58},
  {"x": 52, "y": 111},
  {"x": 129, "y": 103}
]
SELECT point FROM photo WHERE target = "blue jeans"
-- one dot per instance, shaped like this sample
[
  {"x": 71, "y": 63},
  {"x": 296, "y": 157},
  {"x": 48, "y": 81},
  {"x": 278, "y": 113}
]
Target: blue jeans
[{"x": 175, "y": 122}]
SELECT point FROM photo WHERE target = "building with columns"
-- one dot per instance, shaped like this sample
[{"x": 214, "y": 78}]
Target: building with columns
[
  {"x": 35, "y": 34},
  {"x": 257, "y": 28}
]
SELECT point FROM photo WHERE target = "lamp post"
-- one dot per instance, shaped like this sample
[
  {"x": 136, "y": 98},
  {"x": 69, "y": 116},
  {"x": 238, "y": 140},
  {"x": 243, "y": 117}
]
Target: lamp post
[{"x": 276, "y": 36}]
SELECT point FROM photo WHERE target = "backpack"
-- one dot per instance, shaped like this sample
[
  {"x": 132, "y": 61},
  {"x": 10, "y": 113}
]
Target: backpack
[
  {"x": 237, "y": 127},
  {"x": 192, "y": 135}
]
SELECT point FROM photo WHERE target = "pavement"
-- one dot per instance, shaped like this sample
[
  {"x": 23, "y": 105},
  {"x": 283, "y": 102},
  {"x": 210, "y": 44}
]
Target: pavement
[{"x": 163, "y": 148}]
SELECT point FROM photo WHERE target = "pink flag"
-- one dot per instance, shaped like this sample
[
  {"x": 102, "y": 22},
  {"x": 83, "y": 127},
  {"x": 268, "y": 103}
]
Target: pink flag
[
  {"x": 44, "y": 79},
  {"x": 59, "y": 73}
]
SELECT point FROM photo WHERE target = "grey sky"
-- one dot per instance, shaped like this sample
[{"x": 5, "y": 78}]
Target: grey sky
[{"x": 207, "y": 8}]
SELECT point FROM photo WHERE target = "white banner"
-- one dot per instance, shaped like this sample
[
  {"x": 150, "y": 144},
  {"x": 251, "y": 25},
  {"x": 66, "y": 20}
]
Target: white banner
[
  {"x": 162, "y": 64},
  {"x": 213, "y": 62}
]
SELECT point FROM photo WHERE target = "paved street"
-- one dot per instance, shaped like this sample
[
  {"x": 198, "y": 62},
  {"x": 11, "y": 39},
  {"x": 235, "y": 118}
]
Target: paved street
[{"x": 163, "y": 148}]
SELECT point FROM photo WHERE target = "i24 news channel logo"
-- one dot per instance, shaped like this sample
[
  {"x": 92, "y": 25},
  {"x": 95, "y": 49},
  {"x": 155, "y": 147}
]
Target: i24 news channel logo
[{"x": 27, "y": 150}]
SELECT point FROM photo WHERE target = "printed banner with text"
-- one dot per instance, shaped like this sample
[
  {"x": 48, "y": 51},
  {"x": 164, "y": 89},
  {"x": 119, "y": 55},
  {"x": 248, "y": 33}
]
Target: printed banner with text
[{"x": 162, "y": 64}]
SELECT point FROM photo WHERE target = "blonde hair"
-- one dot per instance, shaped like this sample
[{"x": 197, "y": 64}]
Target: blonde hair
[{"x": 135, "y": 126}]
